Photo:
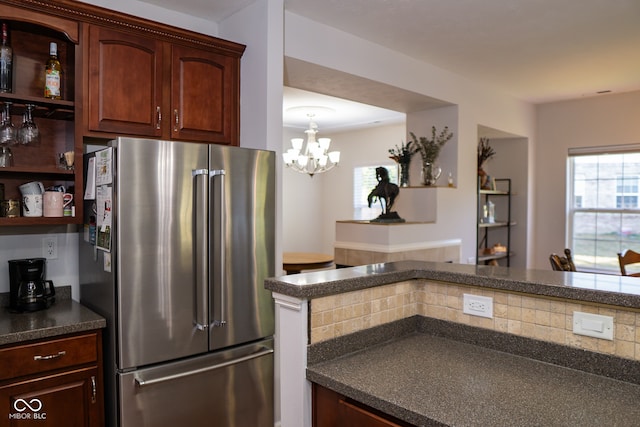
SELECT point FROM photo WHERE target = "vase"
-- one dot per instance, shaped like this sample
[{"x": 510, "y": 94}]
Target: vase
[
  {"x": 404, "y": 174},
  {"x": 430, "y": 173}
]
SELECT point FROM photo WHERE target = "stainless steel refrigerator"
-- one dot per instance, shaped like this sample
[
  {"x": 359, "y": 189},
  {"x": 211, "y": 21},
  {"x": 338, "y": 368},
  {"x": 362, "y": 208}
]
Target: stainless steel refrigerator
[{"x": 177, "y": 269}]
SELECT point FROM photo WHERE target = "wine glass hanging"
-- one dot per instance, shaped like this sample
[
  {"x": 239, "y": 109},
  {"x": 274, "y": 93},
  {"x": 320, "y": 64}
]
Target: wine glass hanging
[
  {"x": 28, "y": 134},
  {"x": 8, "y": 135}
]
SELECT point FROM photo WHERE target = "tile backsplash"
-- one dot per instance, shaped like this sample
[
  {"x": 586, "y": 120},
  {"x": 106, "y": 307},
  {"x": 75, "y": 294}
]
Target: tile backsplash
[{"x": 531, "y": 316}]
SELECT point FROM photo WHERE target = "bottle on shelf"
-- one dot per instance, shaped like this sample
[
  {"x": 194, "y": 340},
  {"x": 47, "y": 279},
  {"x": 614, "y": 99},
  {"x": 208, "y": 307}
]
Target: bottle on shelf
[
  {"x": 53, "y": 74},
  {"x": 6, "y": 61}
]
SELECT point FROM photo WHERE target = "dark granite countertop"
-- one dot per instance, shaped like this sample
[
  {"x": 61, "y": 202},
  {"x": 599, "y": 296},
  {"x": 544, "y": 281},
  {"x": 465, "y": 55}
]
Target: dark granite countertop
[
  {"x": 432, "y": 380},
  {"x": 599, "y": 288},
  {"x": 65, "y": 316}
]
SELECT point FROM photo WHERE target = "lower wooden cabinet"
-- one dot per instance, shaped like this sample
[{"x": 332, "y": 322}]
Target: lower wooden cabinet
[
  {"x": 331, "y": 409},
  {"x": 53, "y": 383}
]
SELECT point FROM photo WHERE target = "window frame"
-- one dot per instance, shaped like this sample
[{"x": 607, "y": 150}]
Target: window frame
[{"x": 609, "y": 263}]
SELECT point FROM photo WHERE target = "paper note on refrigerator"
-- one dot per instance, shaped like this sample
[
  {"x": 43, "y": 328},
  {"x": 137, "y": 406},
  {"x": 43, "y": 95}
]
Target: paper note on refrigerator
[
  {"x": 90, "y": 179},
  {"x": 104, "y": 165},
  {"x": 103, "y": 217}
]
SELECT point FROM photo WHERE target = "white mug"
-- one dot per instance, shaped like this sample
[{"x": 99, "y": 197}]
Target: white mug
[
  {"x": 32, "y": 205},
  {"x": 52, "y": 203},
  {"x": 33, "y": 187}
]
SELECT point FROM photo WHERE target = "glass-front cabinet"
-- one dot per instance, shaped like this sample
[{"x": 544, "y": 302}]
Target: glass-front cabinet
[{"x": 51, "y": 160}]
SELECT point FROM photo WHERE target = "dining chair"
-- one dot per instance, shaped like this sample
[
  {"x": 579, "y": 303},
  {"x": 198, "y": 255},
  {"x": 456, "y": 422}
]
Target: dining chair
[
  {"x": 562, "y": 263},
  {"x": 626, "y": 258}
]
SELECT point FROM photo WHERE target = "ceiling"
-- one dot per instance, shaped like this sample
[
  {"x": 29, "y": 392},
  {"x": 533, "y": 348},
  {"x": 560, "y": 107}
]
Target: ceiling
[{"x": 536, "y": 50}]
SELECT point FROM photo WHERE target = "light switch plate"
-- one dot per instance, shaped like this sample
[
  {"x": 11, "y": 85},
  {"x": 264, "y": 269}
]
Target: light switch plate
[{"x": 593, "y": 325}]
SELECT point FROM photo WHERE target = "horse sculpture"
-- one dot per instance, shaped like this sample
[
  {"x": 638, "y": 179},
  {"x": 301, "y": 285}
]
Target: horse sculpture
[{"x": 386, "y": 192}]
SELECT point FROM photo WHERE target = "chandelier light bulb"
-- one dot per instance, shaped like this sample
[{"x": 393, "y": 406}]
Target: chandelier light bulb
[
  {"x": 324, "y": 143},
  {"x": 296, "y": 143}
]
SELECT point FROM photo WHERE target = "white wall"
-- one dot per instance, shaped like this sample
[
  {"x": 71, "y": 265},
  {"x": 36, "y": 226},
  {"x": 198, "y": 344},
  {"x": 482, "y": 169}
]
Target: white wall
[
  {"x": 26, "y": 242},
  {"x": 159, "y": 14},
  {"x": 591, "y": 122},
  {"x": 476, "y": 104}
]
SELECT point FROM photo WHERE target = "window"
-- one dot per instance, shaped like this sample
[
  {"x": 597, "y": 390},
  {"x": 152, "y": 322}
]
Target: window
[
  {"x": 364, "y": 180},
  {"x": 604, "y": 216},
  {"x": 627, "y": 192}
]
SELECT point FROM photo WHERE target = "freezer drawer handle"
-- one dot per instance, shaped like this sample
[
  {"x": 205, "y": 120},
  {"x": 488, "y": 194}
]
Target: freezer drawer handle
[
  {"x": 142, "y": 382},
  {"x": 50, "y": 356}
]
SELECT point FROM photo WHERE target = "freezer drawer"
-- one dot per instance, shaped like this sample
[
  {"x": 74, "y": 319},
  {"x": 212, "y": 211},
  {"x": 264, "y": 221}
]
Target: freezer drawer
[{"x": 233, "y": 388}]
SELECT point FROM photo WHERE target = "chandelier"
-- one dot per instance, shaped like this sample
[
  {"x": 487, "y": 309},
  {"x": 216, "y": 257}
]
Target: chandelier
[{"x": 315, "y": 157}]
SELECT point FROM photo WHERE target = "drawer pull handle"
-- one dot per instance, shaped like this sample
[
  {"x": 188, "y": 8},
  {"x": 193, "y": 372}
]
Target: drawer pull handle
[
  {"x": 50, "y": 356},
  {"x": 176, "y": 124},
  {"x": 158, "y": 117}
]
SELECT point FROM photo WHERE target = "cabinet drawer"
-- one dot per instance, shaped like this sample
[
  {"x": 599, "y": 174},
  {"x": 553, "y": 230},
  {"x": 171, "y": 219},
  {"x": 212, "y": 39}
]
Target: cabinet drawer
[{"x": 27, "y": 359}]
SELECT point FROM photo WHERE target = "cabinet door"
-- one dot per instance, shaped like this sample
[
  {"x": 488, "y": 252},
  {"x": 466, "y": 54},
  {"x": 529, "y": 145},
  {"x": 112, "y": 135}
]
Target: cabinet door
[
  {"x": 204, "y": 96},
  {"x": 125, "y": 83},
  {"x": 331, "y": 409},
  {"x": 68, "y": 399}
]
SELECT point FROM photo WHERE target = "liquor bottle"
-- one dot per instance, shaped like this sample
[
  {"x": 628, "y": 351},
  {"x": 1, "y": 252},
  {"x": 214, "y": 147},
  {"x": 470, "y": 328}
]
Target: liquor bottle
[
  {"x": 53, "y": 74},
  {"x": 6, "y": 62}
]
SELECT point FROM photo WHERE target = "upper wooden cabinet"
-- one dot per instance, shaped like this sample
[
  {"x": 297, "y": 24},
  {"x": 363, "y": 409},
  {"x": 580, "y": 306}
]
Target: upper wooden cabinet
[
  {"x": 145, "y": 87},
  {"x": 125, "y": 83},
  {"x": 204, "y": 96}
]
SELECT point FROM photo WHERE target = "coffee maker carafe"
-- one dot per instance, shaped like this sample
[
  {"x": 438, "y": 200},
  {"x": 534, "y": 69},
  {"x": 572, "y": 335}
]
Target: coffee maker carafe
[{"x": 29, "y": 291}]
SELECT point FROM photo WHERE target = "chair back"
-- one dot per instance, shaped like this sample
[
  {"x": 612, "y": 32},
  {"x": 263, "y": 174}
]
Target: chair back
[
  {"x": 562, "y": 263},
  {"x": 626, "y": 258}
]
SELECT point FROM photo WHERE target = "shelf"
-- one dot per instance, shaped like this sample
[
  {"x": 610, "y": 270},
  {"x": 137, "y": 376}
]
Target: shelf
[
  {"x": 45, "y": 108},
  {"x": 39, "y": 220},
  {"x": 500, "y": 255},
  {"x": 495, "y": 224},
  {"x": 37, "y": 170},
  {"x": 494, "y": 192}
]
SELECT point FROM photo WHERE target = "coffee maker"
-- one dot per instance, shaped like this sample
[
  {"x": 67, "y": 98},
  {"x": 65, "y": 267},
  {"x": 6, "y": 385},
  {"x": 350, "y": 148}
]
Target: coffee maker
[{"x": 29, "y": 291}]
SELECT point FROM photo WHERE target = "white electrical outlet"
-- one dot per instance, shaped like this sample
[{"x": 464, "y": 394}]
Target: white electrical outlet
[
  {"x": 476, "y": 305},
  {"x": 50, "y": 247}
]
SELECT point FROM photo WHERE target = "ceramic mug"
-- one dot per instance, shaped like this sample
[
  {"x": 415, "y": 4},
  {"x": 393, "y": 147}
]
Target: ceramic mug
[
  {"x": 67, "y": 198},
  {"x": 33, "y": 187},
  {"x": 32, "y": 205},
  {"x": 53, "y": 203}
]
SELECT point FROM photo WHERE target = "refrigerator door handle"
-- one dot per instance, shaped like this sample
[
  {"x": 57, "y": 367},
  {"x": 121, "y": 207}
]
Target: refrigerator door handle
[
  {"x": 141, "y": 382},
  {"x": 200, "y": 258},
  {"x": 218, "y": 276}
]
